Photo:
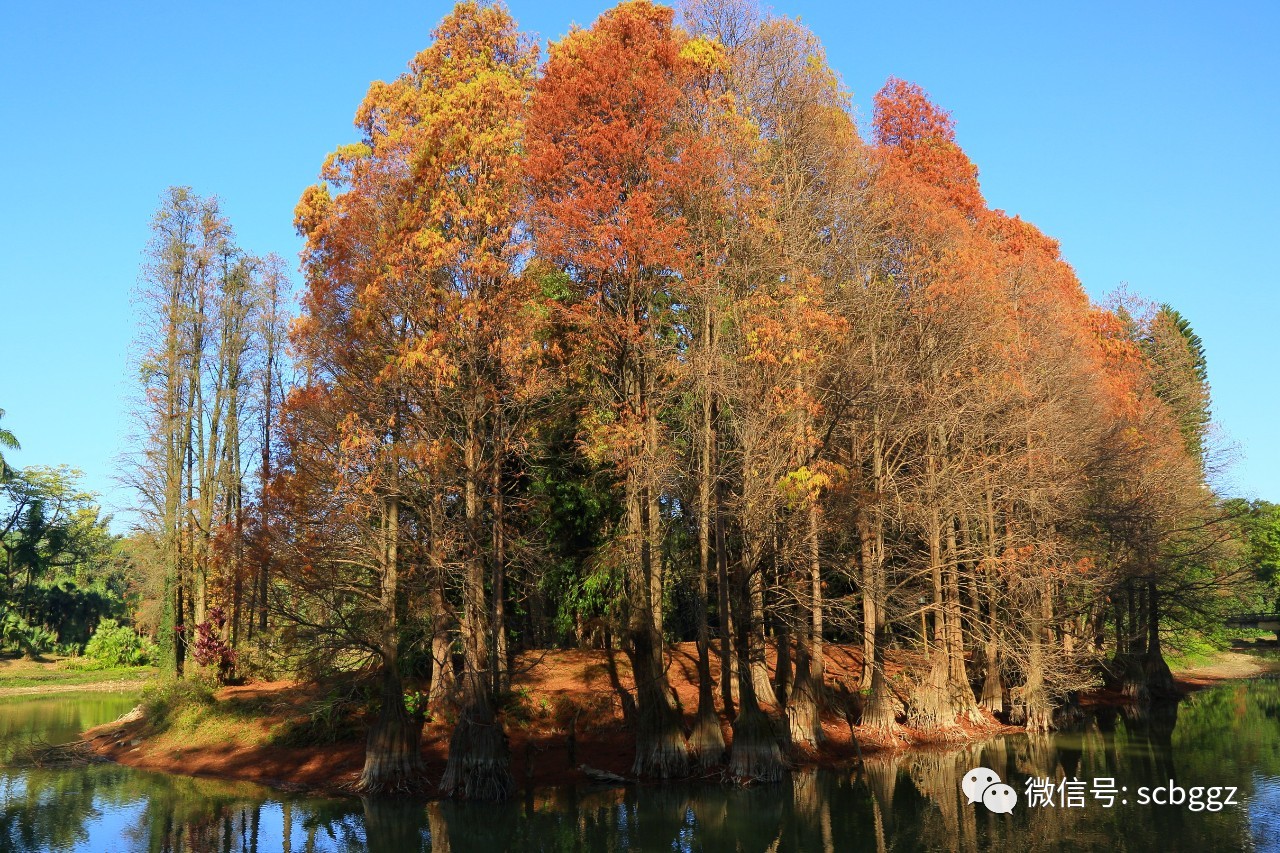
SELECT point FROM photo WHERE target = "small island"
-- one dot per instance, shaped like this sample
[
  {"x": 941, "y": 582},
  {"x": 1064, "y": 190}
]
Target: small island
[
  {"x": 564, "y": 727},
  {"x": 636, "y": 414}
]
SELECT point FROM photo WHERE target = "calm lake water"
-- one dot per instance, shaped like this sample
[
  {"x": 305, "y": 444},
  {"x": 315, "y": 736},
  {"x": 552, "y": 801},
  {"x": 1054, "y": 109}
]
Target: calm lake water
[{"x": 1224, "y": 737}]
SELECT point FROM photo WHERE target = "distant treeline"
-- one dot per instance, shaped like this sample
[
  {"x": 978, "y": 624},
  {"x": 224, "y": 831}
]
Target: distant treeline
[{"x": 62, "y": 571}]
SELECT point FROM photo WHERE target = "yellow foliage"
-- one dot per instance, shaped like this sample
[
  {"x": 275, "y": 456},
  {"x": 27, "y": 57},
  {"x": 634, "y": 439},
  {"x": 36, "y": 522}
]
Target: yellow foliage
[{"x": 705, "y": 54}]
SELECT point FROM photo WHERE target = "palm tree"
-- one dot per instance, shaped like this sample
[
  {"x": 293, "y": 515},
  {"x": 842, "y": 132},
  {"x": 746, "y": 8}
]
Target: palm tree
[{"x": 8, "y": 440}]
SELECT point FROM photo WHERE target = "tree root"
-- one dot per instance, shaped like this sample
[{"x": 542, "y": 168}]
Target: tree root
[
  {"x": 756, "y": 755},
  {"x": 661, "y": 754},
  {"x": 42, "y": 755},
  {"x": 479, "y": 766},
  {"x": 706, "y": 743}
]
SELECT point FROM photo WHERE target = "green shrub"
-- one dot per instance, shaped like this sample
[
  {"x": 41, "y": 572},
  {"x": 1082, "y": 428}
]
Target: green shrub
[
  {"x": 339, "y": 715},
  {"x": 327, "y": 720},
  {"x": 30, "y": 639},
  {"x": 81, "y": 664},
  {"x": 162, "y": 701},
  {"x": 118, "y": 645},
  {"x": 259, "y": 660},
  {"x": 517, "y": 705}
]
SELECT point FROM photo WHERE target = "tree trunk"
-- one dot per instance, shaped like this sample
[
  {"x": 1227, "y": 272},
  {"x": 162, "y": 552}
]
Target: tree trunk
[
  {"x": 655, "y": 563},
  {"x": 755, "y": 754},
  {"x": 1035, "y": 701},
  {"x": 393, "y": 751},
  {"x": 879, "y": 713},
  {"x": 1159, "y": 678},
  {"x": 393, "y": 756},
  {"x": 963, "y": 700},
  {"x": 805, "y": 701},
  {"x": 442, "y": 625},
  {"x": 479, "y": 766},
  {"x": 759, "y": 669},
  {"x": 500, "y": 656},
  {"x": 780, "y": 688},
  {"x": 931, "y": 708},
  {"x": 992, "y": 683},
  {"x": 1139, "y": 625},
  {"x": 804, "y": 710},
  {"x": 707, "y": 739},
  {"x": 661, "y": 751},
  {"x": 179, "y": 625},
  {"x": 1130, "y": 672},
  {"x": 263, "y": 578},
  {"x": 723, "y": 593},
  {"x": 870, "y": 612}
]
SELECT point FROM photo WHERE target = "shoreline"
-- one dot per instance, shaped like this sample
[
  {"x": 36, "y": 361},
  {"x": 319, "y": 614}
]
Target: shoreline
[
  {"x": 1231, "y": 664},
  {"x": 541, "y": 756},
  {"x": 51, "y": 675},
  {"x": 118, "y": 686}
]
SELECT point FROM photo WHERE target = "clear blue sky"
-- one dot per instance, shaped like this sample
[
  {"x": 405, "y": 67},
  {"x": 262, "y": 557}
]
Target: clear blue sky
[{"x": 1143, "y": 136}]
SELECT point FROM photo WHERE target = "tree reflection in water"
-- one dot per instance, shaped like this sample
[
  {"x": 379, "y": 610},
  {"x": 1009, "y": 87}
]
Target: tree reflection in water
[{"x": 904, "y": 802}]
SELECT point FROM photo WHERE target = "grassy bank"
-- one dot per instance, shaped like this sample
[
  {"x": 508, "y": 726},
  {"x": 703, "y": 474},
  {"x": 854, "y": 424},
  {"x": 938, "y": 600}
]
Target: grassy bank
[
  {"x": 561, "y": 714},
  {"x": 1228, "y": 665},
  {"x": 53, "y": 674},
  {"x": 311, "y": 736}
]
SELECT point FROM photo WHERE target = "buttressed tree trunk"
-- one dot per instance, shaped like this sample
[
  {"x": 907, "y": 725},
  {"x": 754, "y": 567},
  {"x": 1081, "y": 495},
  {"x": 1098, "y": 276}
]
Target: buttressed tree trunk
[
  {"x": 957, "y": 671},
  {"x": 870, "y": 607},
  {"x": 1039, "y": 710},
  {"x": 931, "y": 707},
  {"x": 393, "y": 757},
  {"x": 878, "y": 713},
  {"x": 1159, "y": 678},
  {"x": 755, "y": 753},
  {"x": 805, "y": 705},
  {"x": 728, "y": 684},
  {"x": 500, "y": 655},
  {"x": 707, "y": 739},
  {"x": 661, "y": 751},
  {"x": 1129, "y": 662},
  {"x": 479, "y": 766}
]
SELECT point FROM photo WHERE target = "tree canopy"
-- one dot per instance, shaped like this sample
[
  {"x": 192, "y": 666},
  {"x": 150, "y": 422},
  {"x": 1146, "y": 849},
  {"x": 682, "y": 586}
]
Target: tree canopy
[{"x": 646, "y": 342}]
